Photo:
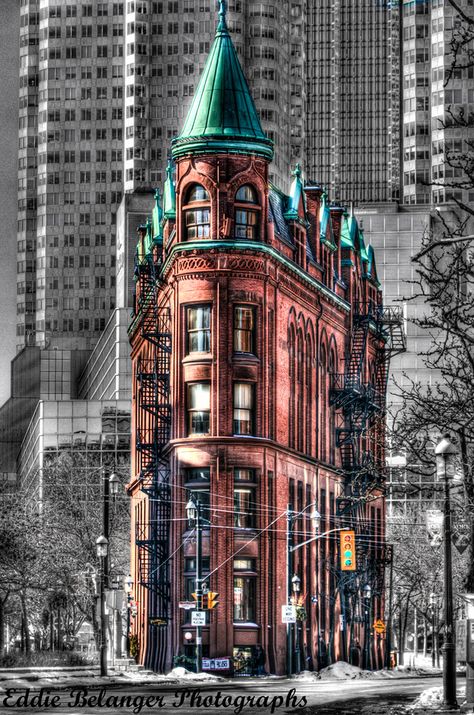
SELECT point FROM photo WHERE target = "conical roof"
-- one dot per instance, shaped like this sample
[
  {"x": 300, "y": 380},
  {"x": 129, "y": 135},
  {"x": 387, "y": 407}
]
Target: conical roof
[{"x": 222, "y": 117}]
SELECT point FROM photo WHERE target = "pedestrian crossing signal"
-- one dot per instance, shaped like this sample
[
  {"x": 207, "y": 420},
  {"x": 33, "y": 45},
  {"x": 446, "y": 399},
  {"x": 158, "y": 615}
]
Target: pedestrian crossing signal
[
  {"x": 212, "y": 601},
  {"x": 347, "y": 550}
]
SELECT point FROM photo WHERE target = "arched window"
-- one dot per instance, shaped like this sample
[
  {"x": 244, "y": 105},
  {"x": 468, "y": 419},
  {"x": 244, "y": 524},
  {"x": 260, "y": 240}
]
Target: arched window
[
  {"x": 197, "y": 213},
  {"x": 324, "y": 404},
  {"x": 246, "y": 213},
  {"x": 332, "y": 411}
]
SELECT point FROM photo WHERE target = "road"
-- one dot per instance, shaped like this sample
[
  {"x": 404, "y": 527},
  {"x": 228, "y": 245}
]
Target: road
[{"x": 273, "y": 696}]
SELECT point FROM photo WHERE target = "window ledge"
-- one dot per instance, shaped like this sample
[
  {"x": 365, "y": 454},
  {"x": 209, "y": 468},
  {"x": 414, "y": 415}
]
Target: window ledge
[
  {"x": 248, "y": 357},
  {"x": 197, "y": 357},
  {"x": 245, "y": 624}
]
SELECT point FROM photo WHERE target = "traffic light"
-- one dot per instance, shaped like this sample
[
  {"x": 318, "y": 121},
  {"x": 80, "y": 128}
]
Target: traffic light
[
  {"x": 194, "y": 596},
  {"x": 212, "y": 601},
  {"x": 347, "y": 550}
]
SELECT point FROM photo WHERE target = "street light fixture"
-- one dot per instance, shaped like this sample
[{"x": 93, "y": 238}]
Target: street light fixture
[
  {"x": 114, "y": 483},
  {"x": 102, "y": 547},
  {"x": 296, "y": 583},
  {"x": 445, "y": 452}
]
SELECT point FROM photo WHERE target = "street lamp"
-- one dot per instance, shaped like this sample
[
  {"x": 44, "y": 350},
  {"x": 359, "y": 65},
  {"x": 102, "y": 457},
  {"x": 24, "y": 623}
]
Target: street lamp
[
  {"x": 367, "y": 594},
  {"x": 445, "y": 453},
  {"x": 193, "y": 512},
  {"x": 128, "y": 590},
  {"x": 296, "y": 586},
  {"x": 102, "y": 547}
]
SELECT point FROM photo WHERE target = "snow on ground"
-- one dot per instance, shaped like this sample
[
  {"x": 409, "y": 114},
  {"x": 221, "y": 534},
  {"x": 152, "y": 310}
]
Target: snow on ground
[
  {"x": 183, "y": 674},
  {"x": 345, "y": 671},
  {"x": 431, "y": 698}
]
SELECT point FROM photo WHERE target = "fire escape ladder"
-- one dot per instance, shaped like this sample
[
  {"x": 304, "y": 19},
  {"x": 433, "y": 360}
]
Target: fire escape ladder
[{"x": 152, "y": 436}]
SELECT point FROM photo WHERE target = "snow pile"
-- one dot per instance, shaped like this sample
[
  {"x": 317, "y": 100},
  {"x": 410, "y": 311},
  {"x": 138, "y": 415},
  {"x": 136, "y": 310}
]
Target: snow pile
[
  {"x": 431, "y": 698},
  {"x": 183, "y": 674},
  {"x": 343, "y": 671}
]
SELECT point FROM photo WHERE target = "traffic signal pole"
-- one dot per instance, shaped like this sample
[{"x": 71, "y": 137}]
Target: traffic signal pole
[{"x": 198, "y": 585}]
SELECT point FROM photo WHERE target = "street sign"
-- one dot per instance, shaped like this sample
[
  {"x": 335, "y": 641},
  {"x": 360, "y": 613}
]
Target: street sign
[
  {"x": 379, "y": 626},
  {"x": 198, "y": 618},
  {"x": 187, "y": 605},
  {"x": 288, "y": 614},
  {"x": 216, "y": 663}
]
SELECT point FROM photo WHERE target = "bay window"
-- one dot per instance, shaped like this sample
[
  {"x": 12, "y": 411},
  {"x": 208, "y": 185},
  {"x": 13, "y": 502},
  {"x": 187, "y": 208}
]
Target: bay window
[
  {"x": 197, "y": 214},
  {"x": 246, "y": 213},
  {"x": 244, "y": 498},
  {"x": 243, "y": 408},
  {"x": 199, "y": 408},
  {"x": 244, "y": 329},
  {"x": 198, "y": 327}
]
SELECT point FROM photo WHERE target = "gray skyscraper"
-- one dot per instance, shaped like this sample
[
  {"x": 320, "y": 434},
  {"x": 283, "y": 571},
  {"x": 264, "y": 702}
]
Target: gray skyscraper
[
  {"x": 351, "y": 67},
  {"x": 431, "y": 95}
]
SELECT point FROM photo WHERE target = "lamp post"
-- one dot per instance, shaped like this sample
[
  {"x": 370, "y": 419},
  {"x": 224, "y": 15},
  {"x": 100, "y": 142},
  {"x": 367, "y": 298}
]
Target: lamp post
[
  {"x": 291, "y": 516},
  {"x": 193, "y": 510},
  {"x": 102, "y": 546},
  {"x": 128, "y": 591},
  {"x": 296, "y": 586},
  {"x": 445, "y": 452},
  {"x": 110, "y": 486},
  {"x": 367, "y": 594}
]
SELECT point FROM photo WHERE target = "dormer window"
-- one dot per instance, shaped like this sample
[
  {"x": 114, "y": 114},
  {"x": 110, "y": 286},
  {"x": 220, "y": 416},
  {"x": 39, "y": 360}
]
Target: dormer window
[
  {"x": 246, "y": 213},
  {"x": 197, "y": 214}
]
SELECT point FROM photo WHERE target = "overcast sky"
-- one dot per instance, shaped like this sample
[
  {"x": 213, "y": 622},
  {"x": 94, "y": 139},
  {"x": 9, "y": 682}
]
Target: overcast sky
[{"x": 9, "y": 32}]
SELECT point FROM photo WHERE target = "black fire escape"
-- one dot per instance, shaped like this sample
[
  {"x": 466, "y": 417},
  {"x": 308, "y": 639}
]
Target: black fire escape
[
  {"x": 359, "y": 399},
  {"x": 153, "y": 424}
]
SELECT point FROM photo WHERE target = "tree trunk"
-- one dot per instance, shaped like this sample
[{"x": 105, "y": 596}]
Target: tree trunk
[
  {"x": 401, "y": 637},
  {"x": 26, "y": 630},
  {"x": 2, "y": 625},
  {"x": 469, "y": 496},
  {"x": 425, "y": 637}
]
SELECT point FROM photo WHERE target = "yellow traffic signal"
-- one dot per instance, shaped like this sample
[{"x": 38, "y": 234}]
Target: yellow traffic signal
[
  {"x": 347, "y": 550},
  {"x": 212, "y": 601},
  {"x": 194, "y": 596}
]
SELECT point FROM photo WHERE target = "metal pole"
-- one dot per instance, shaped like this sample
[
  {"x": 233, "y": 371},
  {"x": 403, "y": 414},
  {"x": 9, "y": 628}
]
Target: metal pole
[
  {"x": 390, "y": 616},
  {"x": 198, "y": 585},
  {"x": 366, "y": 633},
  {"x": 105, "y": 522},
  {"x": 104, "y": 574},
  {"x": 289, "y": 566},
  {"x": 449, "y": 653},
  {"x": 103, "y": 630}
]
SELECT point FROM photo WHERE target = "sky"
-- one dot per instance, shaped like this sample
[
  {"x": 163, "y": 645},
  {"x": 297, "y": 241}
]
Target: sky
[{"x": 9, "y": 51}]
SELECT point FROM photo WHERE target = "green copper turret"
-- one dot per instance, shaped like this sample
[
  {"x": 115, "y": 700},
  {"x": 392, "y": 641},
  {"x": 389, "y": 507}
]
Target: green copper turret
[{"x": 222, "y": 117}]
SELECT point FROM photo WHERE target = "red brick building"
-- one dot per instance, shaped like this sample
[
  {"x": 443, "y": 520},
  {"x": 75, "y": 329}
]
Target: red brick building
[{"x": 259, "y": 352}]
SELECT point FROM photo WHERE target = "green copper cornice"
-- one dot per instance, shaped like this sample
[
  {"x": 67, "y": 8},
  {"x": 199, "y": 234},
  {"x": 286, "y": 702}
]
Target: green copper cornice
[
  {"x": 157, "y": 219},
  {"x": 222, "y": 116},
  {"x": 169, "y": 197}
]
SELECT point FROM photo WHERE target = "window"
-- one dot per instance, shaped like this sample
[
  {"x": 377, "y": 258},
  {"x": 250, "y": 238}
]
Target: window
[
  {"x": 198, "y": 321},
  {"x": 197, "y": 221},
  {"x": 243, "y": 408},
  {"x": 244, "y": 507},
  {"x": 197, "y": 482},
  {"x": 244, "y": 599},
  {"x": 244, "y": 329},
  {"x": 246, "y": 220},
  {"x": 199, "y": 408}
]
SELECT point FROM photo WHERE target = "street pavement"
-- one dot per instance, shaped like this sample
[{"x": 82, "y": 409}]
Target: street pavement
[{"x": 266, "y": 695}]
